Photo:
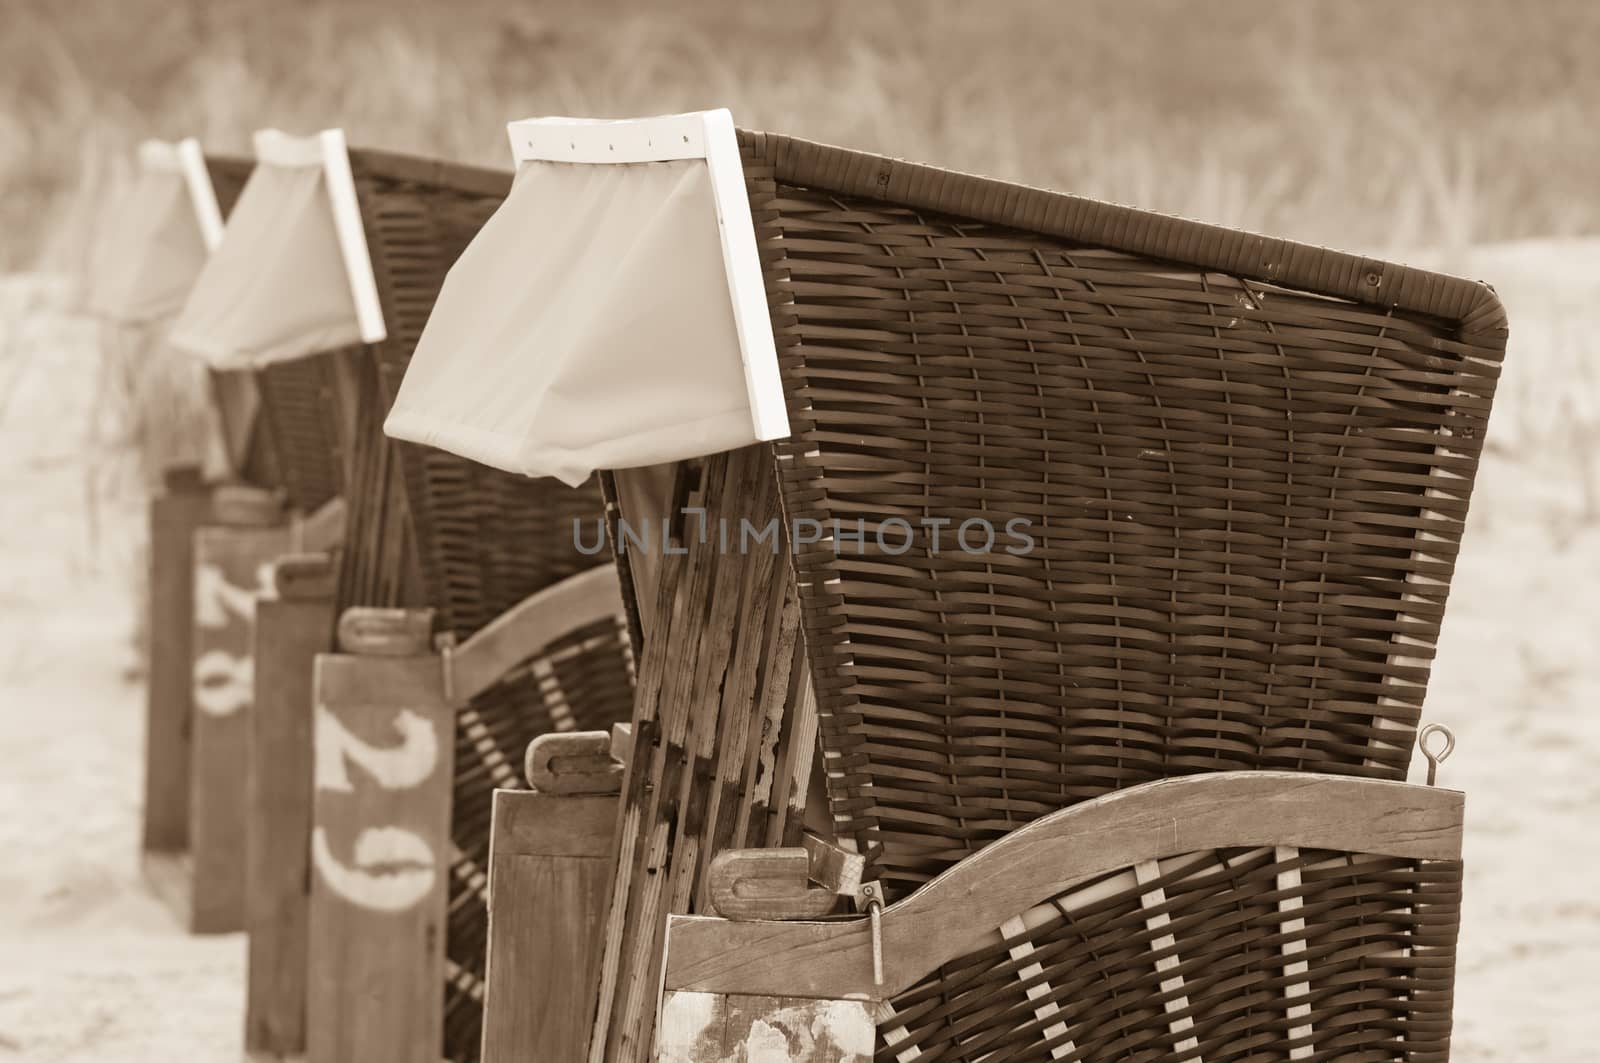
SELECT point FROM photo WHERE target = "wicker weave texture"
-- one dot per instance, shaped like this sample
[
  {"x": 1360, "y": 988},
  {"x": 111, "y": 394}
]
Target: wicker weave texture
[
  {"x": 1219, "y": 955},
  {"x": 298, "y": 404},
  {"x": 1240, "y": 505}
]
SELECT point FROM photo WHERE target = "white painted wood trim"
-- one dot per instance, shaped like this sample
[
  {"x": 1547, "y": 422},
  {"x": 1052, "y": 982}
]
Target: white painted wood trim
[
  {"x": 202, "y": 194},
  {"x": 1297, "y": 995},
  {"x": 329, "y": 150},
  {"x": 158, "y": 156},
  {"x": 708, "y": 135},
  {"x": 1048, "y": 1009},
  {"x": 1147, "y": 871},
  {"x": 352, "y": 235}
]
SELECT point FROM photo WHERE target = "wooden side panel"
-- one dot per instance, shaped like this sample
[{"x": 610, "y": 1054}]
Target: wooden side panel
[
  {"x": 547, "y": 885},
  {"x": 380, "y": 852},
  {"x": 173, "y": 519},
  {"x": 231, "y": 567},
  {"x": 289, "y": 635},
  {"x": 721, "y": 713},
  {"x": 712, "y": 1028}
]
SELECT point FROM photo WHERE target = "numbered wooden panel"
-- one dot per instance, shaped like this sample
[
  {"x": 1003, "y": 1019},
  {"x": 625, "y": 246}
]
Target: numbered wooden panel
[
  {"x": 232, "y": 567},
  {"x": 380, "y": 854}
]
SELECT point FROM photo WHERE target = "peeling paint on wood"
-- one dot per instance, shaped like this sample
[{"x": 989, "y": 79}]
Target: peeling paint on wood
[{"x": 712, "y": 1028}]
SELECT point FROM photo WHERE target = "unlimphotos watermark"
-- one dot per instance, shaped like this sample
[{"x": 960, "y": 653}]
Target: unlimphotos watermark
[{"x": 893, "y": 536}]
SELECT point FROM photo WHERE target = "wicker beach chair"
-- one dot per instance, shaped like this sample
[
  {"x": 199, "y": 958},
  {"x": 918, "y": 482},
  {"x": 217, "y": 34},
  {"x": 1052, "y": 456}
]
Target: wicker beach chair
[
  {"x": 218, "y": 470},
  {"x": 532, "y": 625},
  {"x": 340, "y": 253},
  {"x": 1200, "y": 495},
  {"x": 146, "y": 263}
]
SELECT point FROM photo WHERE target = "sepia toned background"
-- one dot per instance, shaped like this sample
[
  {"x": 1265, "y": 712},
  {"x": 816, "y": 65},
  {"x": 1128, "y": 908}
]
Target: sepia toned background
[{"x": 1454, "y": 134}]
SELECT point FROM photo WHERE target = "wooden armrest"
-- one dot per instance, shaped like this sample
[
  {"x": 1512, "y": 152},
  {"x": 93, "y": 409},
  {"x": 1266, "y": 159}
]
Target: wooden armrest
[
  {"x": 956, "y": 912},
  {"x": 530, "y": 626},
  {"x": 573, "y": 762}
]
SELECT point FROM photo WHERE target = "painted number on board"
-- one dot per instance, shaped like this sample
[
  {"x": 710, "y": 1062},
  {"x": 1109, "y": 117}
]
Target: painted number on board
[
  {"x": 390, "y": 868},
  {"x": 224, "y": 682}
]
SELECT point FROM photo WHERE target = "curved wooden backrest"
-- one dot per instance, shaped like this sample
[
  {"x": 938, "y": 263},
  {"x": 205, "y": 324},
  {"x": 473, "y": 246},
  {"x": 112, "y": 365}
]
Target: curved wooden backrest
[
  {"x": 1201, "y": 917},
  {"x": 1098, "y": 497}
]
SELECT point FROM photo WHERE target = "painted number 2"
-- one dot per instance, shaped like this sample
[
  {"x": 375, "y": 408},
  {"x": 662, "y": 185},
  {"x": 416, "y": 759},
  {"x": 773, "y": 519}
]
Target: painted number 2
[
  {"x": 391, "y": 868},
  {"x": 224, "y": 681}
]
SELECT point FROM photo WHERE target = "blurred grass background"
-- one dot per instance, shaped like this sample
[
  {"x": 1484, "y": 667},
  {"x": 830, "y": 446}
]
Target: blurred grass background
[{"x": 1365, "y": 124}]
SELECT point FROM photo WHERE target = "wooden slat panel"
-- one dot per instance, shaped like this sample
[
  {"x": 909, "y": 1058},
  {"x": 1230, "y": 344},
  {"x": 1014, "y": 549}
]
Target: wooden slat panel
[
  {"x": 710, "y": 766},
  {"x": 546, "y": 897},
  {"x": 232, "y": 566},
  {"x": 173, "y": 519},
  {"x": 289, "y": 635}
]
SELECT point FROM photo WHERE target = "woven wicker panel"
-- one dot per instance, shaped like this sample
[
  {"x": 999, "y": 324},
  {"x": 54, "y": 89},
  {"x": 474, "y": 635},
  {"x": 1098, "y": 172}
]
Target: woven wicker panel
[
  {"x": 1244, "y": 506},
  {"x": 299, "y": 407},
  {"x": 1222, "y": 955},
  {"x": 378, "y": 565},
  {"x": 228, "y": 177},
  {"x": 482, "y": 541}
]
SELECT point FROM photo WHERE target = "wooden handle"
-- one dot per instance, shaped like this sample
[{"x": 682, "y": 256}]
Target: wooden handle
[
  {"x": 238, "y": 505},
  {"x": 368, "y": 632},
  {"x": 573, "y": 762}
]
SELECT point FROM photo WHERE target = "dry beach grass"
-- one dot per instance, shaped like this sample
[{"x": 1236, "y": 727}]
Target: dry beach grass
[{"x": 1440, "y": 124}]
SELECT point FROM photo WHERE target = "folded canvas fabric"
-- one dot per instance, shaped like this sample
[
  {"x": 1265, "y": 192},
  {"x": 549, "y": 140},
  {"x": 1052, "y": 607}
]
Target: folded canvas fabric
[
  {"x": 278, "y": 287},
  {"x": 593, "y": 323},
  {"x": 155, "y": 246}
]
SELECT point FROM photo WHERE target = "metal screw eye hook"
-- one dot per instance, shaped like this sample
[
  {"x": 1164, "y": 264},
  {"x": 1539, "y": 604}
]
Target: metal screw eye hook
[
  {"x": 872, "y": 893},
  {"x": 1443, "y": 754}
]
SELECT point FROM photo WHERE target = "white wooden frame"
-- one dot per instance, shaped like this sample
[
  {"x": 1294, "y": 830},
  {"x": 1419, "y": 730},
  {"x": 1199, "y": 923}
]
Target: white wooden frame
[
  {"x": 186, "y": 158},
  {"x": 329, "y": 150},
  {"x": 707, "y": 135}
]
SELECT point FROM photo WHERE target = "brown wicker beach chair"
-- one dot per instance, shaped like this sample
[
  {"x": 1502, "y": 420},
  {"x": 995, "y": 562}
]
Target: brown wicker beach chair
[
  {"x": 350, "y": 247},
  {"x": 148, "y": 263},
  {"x": 1200, "y": 495},
  {"x": 494, "y": 551}
]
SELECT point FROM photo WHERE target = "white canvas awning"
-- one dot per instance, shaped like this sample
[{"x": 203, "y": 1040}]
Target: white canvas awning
[
  {"x": 292, "y": 276},
  {"x": 610, "y": 315},
  {"x": 152, "y": 251}
]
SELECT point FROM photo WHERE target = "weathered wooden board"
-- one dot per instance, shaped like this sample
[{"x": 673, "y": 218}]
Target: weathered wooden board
[
  {"x": 383, "y": 736},
  {"x": 232, "y": 566},
  {"x": 720, "y": 713},
  {"x": 174, "y": 516},
  {"x": 713, "y": 1028},
  {"x": 547, "y": 885},
  {"x": 289, "y": 634}
]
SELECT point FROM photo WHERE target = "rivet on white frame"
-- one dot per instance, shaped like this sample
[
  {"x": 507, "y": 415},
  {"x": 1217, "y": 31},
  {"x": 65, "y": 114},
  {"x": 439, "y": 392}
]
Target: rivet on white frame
[
  {"x": 708, "y": 135},
  {"x": 328, "y": 150}
]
